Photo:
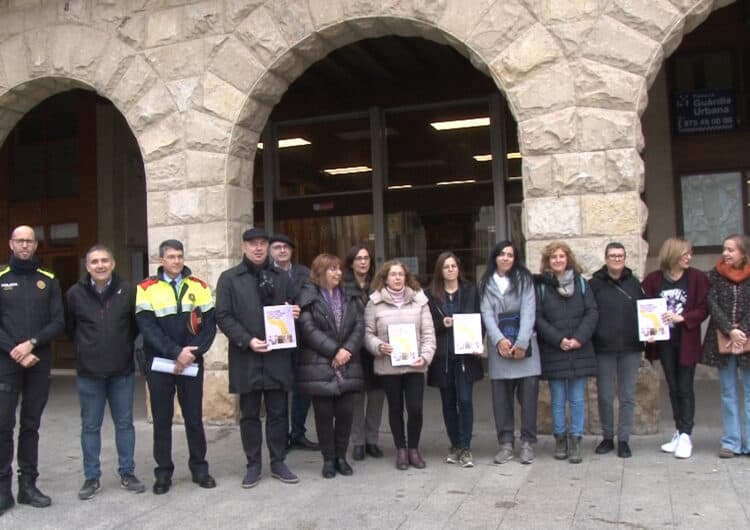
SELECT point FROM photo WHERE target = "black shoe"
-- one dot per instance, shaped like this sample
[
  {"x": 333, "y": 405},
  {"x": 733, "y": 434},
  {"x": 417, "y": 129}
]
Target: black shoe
[
  {"x": 303, "y": 443},
  {"x": 343, "y": 467},
  {"x": 605, "y": 446},
  {"x": 89, "y": 489},
  {"x": 28, "y": 493},
  {"x": 252, "y": 477},
  {"x": 358, "y": 452},
  {"x": 280, "y": 472},
  {"x": 373, "y": 450},
  {"x": 162, "y": 485},
  {"x": 329, "y": 469},
  {"x": 6, "y": 502},
  {"x": 623, "y": 450},
  {"x": 206, "y": 481}
]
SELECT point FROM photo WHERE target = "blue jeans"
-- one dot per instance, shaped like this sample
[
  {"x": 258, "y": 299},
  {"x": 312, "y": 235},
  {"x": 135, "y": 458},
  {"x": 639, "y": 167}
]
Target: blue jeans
[
  {"x": 458, "y": 407},
  {"x": 573, "y": 391},
  {"x": 93, "y": 393},
  {"x": 736, "y": 429}
]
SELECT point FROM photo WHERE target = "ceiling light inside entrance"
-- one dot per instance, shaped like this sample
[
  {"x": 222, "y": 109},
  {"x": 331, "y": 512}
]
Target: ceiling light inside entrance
[
  {"x": 288, "y": 142},
  {"x": 347, "y": 170},
  {"x": 460, "y": 124},
  {"x": 454, "y": 182},
  {"x": 487, "y": 158}
]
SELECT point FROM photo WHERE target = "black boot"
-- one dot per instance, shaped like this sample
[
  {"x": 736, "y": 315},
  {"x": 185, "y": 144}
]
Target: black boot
[
  {"x": 6, "y": 501},
  {"x": 28, "y": 493}
]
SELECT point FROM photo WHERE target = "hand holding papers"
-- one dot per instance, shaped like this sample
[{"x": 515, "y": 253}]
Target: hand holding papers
[
  {"x": 280, "y": 332},
  {"x": 467, "y": 333},
  {"x": 651, "y": 327},
  {"x": 167, "y": 366},
  {"x": 403, "y": 339}
]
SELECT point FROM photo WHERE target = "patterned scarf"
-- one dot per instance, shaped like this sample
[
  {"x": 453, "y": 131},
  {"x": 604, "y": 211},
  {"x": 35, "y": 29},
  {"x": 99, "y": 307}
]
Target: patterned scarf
[{"x": 336, "y": 303}]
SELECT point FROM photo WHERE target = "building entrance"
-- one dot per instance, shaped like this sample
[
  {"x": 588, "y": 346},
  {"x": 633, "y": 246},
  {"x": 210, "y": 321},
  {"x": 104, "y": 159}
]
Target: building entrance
[
  {"x": 72, "y": 170},
  {"x": 413, "y": 168}
]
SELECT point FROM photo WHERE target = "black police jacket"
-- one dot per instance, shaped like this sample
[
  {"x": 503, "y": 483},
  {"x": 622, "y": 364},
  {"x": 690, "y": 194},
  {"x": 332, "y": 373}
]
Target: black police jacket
[{"x": 30, "y": 307}]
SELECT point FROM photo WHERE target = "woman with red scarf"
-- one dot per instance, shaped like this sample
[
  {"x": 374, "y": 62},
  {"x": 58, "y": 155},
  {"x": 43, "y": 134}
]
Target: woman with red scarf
[{"x": 726, "y": 345}]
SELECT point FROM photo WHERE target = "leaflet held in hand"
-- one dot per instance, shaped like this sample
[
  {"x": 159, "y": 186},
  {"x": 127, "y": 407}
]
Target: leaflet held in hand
[
  {"x": 161, "y": 364},
  {"x": 467, "y": 333},
  {"x": 403, "y": 338},
  {"x": 650, "y": 323},
  {"x": 280, "y": 332}
]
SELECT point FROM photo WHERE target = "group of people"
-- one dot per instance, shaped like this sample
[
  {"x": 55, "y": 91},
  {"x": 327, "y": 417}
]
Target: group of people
[{"x": 555, "y": 325}]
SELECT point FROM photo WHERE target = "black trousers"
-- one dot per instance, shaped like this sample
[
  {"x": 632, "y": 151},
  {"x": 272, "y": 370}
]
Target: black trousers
[
  {"x": 189, "y": 390},
  {"x": 333, "y": 423},
  {"x": 405, "y": 389},
  {"x": 526, "y": 390},
  {"x": 31, "y": 385},
  {"x": 680, "y": 382},
  {"x": 277, "y": 424}
]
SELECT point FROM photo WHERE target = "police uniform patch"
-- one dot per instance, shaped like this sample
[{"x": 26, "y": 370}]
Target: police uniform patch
[
  {"x": 41, "y": 284},
  {"x": 191, "y": 297}
]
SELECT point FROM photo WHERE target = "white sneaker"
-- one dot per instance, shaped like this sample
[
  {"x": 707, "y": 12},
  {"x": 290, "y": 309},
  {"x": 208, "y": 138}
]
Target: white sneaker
[
  {"x": 670, "y": 446},
  {"x": 684, "y": 447}
]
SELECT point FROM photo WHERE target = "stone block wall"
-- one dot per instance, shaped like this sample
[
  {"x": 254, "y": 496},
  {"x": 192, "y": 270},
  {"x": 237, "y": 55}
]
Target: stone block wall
[{"x": 197, "y": 80}]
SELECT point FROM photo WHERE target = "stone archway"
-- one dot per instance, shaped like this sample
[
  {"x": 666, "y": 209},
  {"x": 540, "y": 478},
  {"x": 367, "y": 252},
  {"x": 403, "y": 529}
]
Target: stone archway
[{"x": 271, "y": 47}]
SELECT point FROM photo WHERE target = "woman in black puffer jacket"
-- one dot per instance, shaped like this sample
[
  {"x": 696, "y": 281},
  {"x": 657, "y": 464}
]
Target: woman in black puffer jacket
[
  {"x": 329, "y": 369},
  {"x": 566, "y": 317}
]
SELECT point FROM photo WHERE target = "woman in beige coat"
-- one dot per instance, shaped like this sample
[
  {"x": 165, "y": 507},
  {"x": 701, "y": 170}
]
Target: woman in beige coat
[{"x": 398, "y": 299}]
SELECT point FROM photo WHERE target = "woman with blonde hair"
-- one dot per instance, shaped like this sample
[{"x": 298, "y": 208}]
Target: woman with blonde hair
[
  {"x": 397, "y": 299},
  {"x": 566, "y": 317},
  {"x": 685, "y": 290},
  {"x": 725, "y": 345}
]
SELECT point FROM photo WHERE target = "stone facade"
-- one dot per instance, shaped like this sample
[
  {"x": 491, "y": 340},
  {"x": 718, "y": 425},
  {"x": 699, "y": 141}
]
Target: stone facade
[{"x": 197, "y": 80}]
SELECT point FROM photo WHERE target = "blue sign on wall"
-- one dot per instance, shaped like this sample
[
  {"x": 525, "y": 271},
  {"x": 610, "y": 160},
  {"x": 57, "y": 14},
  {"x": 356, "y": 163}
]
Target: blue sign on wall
[{"x": 702, "y": 111}]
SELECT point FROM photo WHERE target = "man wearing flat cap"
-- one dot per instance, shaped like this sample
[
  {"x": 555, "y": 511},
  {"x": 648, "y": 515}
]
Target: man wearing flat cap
[
  {"x": 282, "y": 249},
  {"x": 255, "y": 372}
]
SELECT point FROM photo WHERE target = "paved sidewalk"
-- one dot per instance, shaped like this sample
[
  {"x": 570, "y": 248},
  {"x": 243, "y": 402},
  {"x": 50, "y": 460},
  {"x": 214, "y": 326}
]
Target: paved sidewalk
[{"x": 650, "y": 490}]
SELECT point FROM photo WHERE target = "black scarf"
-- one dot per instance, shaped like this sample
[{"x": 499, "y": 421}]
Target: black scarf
[{"x": 264, "y": 278}]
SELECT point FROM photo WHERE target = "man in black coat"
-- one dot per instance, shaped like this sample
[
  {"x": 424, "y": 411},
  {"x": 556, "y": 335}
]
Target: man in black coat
[
  {"x": 281, "y": 248},
  {"x": 255, "y": 372},
  {"x": 31, "y": 316},
  {"x": 101, "y": 323}
]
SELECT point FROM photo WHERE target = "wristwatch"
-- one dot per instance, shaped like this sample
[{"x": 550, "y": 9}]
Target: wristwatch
[{"x": 34, "y": 342}]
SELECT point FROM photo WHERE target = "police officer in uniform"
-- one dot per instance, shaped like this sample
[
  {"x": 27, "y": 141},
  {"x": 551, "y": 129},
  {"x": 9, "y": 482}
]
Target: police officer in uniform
[
  {"x": 175, "y": 314},
  {"x": 31, "y": 315}
]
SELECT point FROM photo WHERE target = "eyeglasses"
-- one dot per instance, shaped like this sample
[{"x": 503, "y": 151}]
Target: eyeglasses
[
  {"x": 24, "y": 241},
  {"x": 362, "y": 258},
  {"x": 616, "y": 257}
]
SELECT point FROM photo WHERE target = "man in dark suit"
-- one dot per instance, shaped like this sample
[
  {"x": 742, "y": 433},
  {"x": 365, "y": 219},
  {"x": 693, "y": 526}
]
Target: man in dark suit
[{"x": 281, "y": 248}]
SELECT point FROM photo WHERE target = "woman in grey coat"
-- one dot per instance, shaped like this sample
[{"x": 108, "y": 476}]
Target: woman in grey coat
[{"x": 508, "y": 308}]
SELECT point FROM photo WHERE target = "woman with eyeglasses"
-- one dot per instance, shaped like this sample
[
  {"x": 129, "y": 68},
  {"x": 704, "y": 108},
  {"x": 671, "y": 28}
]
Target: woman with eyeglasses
[
  {"x": 396, "y": 305},
  {"x": 726, "y": 346},
  {"x": 685, "y": 290},
  {"x": 453, "y": 374},
  {"x": 359, "y": 268},
  {"x": 617, "y": 346}
]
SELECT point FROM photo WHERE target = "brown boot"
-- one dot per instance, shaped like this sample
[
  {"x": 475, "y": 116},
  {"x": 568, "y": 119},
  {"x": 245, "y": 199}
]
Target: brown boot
[
  {"x": 415, "y": 459},
  {"x": 402, "y": 459}
]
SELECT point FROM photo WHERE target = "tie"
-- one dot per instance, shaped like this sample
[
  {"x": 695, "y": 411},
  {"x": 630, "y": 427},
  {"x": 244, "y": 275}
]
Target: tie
[{"x": 174, "y": 286}]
